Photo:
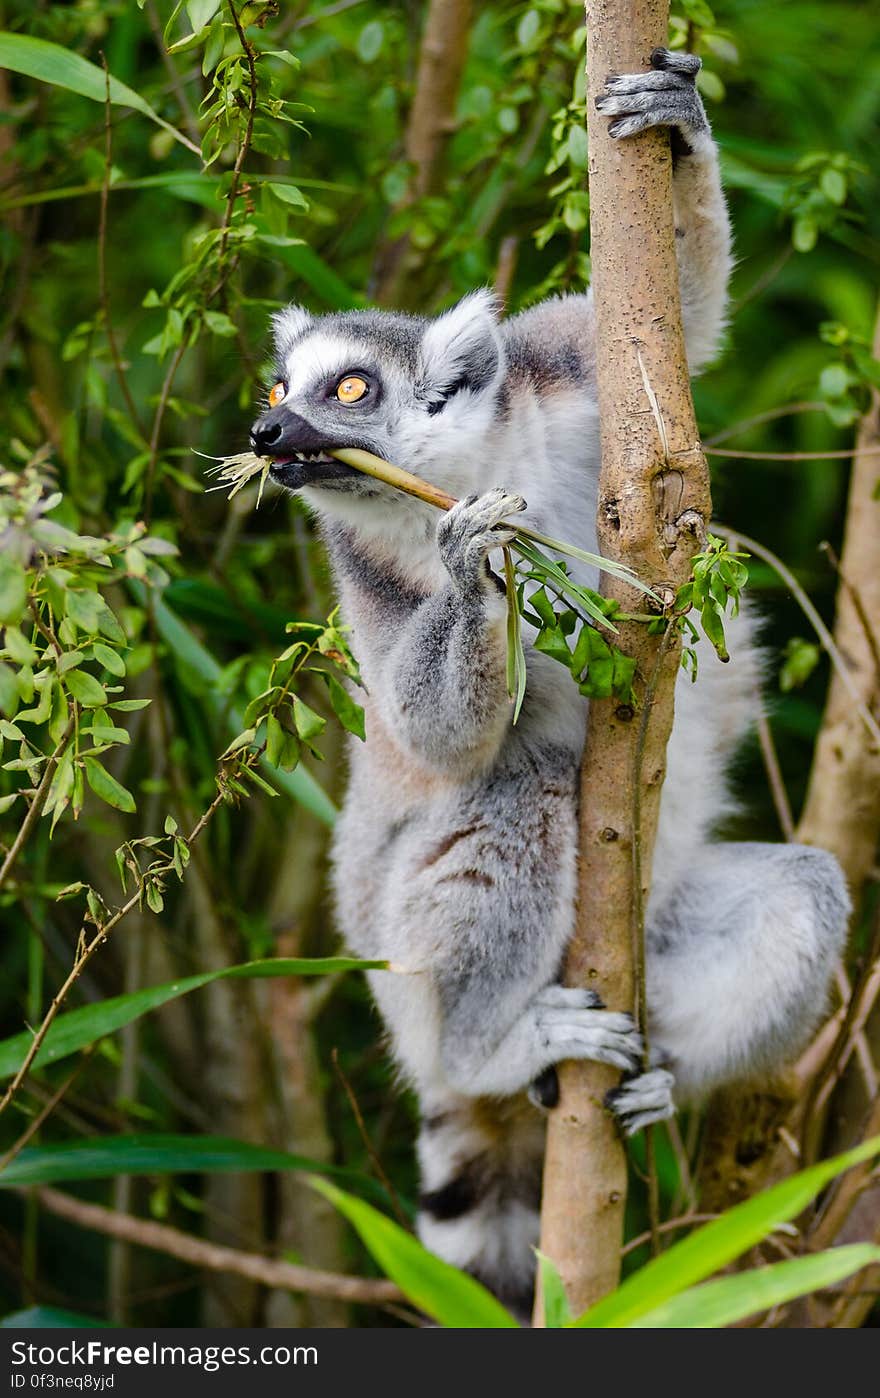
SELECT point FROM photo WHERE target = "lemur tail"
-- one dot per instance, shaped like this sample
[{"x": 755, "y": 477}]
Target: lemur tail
[{"x": 481, "y": 1163}]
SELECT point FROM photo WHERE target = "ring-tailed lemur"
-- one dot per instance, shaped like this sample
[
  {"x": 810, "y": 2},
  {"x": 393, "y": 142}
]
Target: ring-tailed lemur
[{"x": 455, "y": 852}]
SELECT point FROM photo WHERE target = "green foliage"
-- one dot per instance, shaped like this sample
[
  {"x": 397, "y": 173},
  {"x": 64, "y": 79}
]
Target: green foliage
[
  {"x": 714, "y": 588},
  {"x": 79, "y": 1028},
  {"x": 446, "y": 1294},
  {"x": 63, "y": 645},
  {"x": 664, "y": 1294},
  {"x": 847, "y": 381},
  {"x": 130, "y": 341}
]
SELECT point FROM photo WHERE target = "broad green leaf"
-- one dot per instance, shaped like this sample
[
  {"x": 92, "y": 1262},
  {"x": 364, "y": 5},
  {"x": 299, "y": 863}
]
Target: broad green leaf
[
  {"x": 441, "y": 1291},
  {"x": 349, "y": 713},
  {"x": 77, "y": 1028},
  {"x": 289, "y": 194},
  {"x": 710, "y": 1248},
  {"x": 51, "y": 63},
  {"x": 107, "y": 787},
  {"x": 308, "y": 724},
  {"x": 162, "y": 1153},
  {"x": 86, "y": 689},
  {"x": 556, "y": 1308},
  {"x": 110, "y": 659},
  {"x": 50, "y": 1318},
  {"x": 13, "y": 590},
  {"x": 729, "y": 1299}
]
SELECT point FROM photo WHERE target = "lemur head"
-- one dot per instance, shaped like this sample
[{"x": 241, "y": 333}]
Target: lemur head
[{"x": 421, "y": 393}]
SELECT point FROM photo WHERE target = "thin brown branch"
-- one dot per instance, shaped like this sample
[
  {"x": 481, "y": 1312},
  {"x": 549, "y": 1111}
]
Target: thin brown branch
[
  {"x": 365, "y": 1137},
  {"x": 85, "y": 951},
  {"x": 841, "y": 667},
  {"x": 158, "y": 419},
  {"x": 781, "y": 803},
  {"x": 38, "y": 801},
  {"x": 747, "y": 423},
  {"x": 45, "y": 1111},
  {"x": 213, "y": 1257},
  {"x": 844, "y": 455},
  {"x": 858, "y": 607}
]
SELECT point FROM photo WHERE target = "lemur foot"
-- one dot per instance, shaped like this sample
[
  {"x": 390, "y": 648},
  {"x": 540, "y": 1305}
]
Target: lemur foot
[
  {"x": 572, "y": 1025},
  {"x": 642, "y": 1100},
  {"x": 471, "y": 529},
  {"x": 667, "y": 96}
]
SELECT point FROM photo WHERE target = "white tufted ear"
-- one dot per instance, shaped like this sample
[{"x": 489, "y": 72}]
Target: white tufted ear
[
  {"x": 462, "y": 347},
  {"x": 289, "y": 325}
]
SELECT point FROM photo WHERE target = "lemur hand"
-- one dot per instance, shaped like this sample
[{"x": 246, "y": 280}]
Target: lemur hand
[
  {"x": 470, "y": 530},
  {"x": 667, "y": 96}
]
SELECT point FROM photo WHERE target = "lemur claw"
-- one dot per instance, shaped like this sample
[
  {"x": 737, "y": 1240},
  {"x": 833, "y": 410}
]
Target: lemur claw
[
  {"x": 473, "y": 527},
  {"x": 642, "y": 1100},
  {"x": 665, "y": 96}
]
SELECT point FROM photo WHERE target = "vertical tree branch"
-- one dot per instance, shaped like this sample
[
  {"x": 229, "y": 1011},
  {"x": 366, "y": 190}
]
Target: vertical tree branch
[
  {"x": 842, "y": 810},
  {"x": 431, "y": 123},
  {"x": 841, "y": 814},
  {"x": 653, "y": 503}
]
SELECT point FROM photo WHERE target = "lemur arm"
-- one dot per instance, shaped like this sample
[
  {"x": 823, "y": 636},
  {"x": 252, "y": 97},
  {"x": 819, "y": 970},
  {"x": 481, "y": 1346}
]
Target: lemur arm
[
  {"x": 668, "y": 96},
  {"x": 444, "y": 683}
]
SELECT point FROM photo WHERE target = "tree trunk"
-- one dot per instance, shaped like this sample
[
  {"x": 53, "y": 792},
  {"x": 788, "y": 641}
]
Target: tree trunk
[
  {"x": 431, "y": 123},
  {"x": 654, "y": 506},
  {"x": 842, "y": 810}
]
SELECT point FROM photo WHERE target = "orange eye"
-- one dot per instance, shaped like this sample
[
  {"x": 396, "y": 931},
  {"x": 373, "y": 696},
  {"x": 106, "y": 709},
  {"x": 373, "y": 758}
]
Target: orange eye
[
  {"x": 277, "y": 395},
  {"x": 351, "y": 389}
]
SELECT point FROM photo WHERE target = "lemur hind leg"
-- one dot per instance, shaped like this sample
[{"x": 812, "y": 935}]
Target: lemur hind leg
[{"x": 739, "y": 959}]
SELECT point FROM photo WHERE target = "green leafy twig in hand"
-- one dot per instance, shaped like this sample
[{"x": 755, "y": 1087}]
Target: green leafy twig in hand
[{"x": 599, "y": 669}]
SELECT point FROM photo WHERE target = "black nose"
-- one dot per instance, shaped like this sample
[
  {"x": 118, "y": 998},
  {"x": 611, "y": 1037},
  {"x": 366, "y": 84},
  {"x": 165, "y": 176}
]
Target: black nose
[
  {"x": 266, "y": 434},
  {"x": 279, "y": 432}
]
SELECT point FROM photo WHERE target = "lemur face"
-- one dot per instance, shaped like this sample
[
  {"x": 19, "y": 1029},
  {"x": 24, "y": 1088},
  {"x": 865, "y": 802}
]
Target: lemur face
[{"x": 403, "y": 387}]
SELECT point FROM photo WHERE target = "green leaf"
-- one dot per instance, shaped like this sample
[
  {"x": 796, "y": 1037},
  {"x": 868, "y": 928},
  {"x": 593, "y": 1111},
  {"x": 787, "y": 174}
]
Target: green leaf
[
  {"x": 834, "y": 380},
  {"x": 729, "y": 1299},
  {"x": 86, "y": 689},
  {"x": 527, "y": 29},
  {"x": 804, "y": 233},
  {"x": 289, "y": 194},
  {"x": 78, "y": 1028},
  {"x": 13, "y": 590},
  {"x": 349, "y": 713},
  {"x": 370, "y": 40},
  {"x": 308, "y": 723},
  {"x": 800, "y": 660},
  {"x": 578, "y": 153},
  {"x": 443, "y": 1292},
  {"x": 110, "y": 659},
  {"x": 51, "y": 63},
  {"x": 201, "y": 11},
  {"x": 147, "y": 1154},
  {"x": 710, "y": 1248},
  {"x": 107, "y": 787},
  {"x": 556, "y": 1308},
  {"x": 9, "y": 695},
  {"x": 833, "y": 185}
]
